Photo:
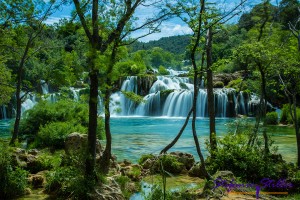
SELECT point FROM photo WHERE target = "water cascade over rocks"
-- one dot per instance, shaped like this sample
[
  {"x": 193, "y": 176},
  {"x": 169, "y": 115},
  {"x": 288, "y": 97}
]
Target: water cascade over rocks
[
  {"x": 168, "y": 96},
  {"x": 172, "y": 96}
]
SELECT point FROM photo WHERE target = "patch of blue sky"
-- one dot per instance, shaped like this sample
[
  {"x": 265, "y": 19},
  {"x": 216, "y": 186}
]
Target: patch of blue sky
[{"x": 171, "y": 27}]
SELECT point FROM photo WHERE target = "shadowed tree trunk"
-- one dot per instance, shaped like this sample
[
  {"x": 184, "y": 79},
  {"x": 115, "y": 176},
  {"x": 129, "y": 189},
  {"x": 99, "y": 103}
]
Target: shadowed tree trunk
[
  {"x": 18, "y": 92},
  {"x": 210, "y": 92}
]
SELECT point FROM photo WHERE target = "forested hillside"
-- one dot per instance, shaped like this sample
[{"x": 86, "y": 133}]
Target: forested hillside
[{"x": 174, "y": 44}]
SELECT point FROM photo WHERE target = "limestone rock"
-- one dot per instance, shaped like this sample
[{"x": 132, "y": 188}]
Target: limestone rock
[
  {"x": 196, "y": 171},
  {"x": 109, "y": 191},
  {"x": 33, "y": 152},
  {"x": 186, "y": 159},
  {"x": 36, "y": 180},
  {"x": 75, "y": 143},
  {"x": 224, "y": 175}
]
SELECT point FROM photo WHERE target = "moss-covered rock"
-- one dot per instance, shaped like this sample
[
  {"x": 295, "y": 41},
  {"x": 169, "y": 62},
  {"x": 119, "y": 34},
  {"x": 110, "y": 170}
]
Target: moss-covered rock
[
  {"x": 174, "y": 163},
  {"x": 218, "y": 84}
]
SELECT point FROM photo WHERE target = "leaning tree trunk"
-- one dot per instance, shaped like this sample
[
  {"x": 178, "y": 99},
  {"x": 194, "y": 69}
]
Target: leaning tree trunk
[
  {"x": 18, "y": 110},
  {"x": 169, "y": 146},
  {"x": 18, "y": 91},
  {"x": 210, "y": 93}
]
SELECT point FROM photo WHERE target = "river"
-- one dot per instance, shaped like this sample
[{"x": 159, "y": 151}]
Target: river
[{"x": 134, "y": 136}]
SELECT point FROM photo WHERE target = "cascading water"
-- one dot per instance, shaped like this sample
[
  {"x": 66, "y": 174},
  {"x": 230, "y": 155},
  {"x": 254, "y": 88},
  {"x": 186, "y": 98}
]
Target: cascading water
[
  {"x": 28, "y": 103},
  {"x": 172, "y": 97},
  {"x": 169, "y": 96},
  {"x": 44, "y": 86},
  {"x": 3, "y": 112}
]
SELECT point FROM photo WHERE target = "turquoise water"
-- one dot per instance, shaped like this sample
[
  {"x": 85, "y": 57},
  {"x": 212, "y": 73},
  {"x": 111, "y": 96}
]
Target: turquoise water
[
  {"x": 135, "y": 136},
  {"x": 4, "y": 128}
]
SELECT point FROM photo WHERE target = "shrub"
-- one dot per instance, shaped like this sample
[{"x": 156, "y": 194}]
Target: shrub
[
  {"x": 135, "y": 173},
  {"x": 54, "y": 134},
  {"x": 123, "y": 183},
  {"x": 145, "y": 157},
  {"x": 249, "y": 163},
  {"x": 162, "y": 70},
  {"x": 286, "y": 116},
  {"x": 68, "y": 182},
  {"x": 13, "y": 181},
  {"x": 45, "y": 112},
  {"x": 171, "y": 164},
  {"x": 127, "y": 68},
  {"x": 51, "y": 122},
  {"x": 271, "y": 118},
  {"x": 46, "y": 161}
]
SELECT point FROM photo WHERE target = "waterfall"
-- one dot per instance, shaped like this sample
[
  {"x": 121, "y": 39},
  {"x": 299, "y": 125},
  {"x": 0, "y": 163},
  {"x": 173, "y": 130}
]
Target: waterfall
[
  {"x": 3, "y": 112},
  {"x": 221, "y": 99},
  {"x": 129, "y": 85},
  {"x": 172, "y": 96},
  {"x": 28, "y": 103},
  {"x": 45, "y": 88},
  {"x": 151, "y": 107},
  {"x": 241, "y": 103},
  {"x": 178, "y": 103},
  {"x": 75, "y": 93}
]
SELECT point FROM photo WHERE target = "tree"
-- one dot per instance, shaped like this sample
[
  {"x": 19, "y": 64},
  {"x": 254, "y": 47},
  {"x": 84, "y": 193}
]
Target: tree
[
  {"x": 259, "y": 54},
  {"x": 6, "y": 89},
  {"x": 109, "y": 25},
  {"x": 23, "y": 47},
  {"x": 289, "y": 78},
  {"x": 196, "y": 13},
  {"x": 288, "y": 12}
]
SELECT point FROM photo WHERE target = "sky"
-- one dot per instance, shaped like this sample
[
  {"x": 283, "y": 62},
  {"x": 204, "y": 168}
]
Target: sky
[{"x": 172, "y": 27}]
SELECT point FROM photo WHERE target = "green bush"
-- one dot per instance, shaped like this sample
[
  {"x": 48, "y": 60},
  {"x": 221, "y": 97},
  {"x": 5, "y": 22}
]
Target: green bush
[
  {"x": 271, "y": 118},
  {"x": 238, "y": 85},
  {"x": 54, "y": 134},
  {"x": 171, "y": 164},
  {"x": 68, "y": 182},
  {"x": 130, "y": 67},
  {"x": 49, "y": 123},
  {"x": 13, "y": 181},
  {"x": 45, "y": 112},
  {"x": 286, "y": 117},
  {"x": 162, "y": 70},
  {"x": 145, "y": 157},
  {"x": 46, "y": 161},
  {"x": 123, "y": 182},
  {"x": 249, "y": 163}
]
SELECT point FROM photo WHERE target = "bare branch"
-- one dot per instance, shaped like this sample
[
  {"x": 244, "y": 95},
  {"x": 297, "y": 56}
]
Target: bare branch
[{"x": 82, "y": 19}]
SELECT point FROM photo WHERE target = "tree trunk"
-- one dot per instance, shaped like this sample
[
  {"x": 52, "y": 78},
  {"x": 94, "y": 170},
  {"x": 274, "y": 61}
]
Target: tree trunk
[
  {"x": 169, "y": 146},
  {"x": 18, "y": 91},
  {"x": 210, "y": 93},
  {"x": 296, "y": 124},
  {"x": 92, "y": 129},
  {"x": 18, "y": 110},
  {"x": 105, "y": 159}
]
